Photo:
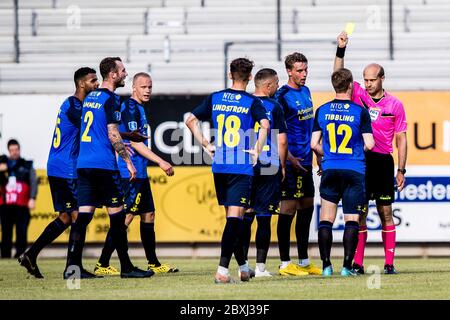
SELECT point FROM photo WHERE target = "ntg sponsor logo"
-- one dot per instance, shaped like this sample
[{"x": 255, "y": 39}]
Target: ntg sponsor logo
[{"x": 425, "y": 189}]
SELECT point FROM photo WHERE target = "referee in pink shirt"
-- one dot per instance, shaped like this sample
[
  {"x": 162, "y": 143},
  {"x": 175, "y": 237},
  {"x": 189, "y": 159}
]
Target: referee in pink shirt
[{"x": 388, "y": 120}]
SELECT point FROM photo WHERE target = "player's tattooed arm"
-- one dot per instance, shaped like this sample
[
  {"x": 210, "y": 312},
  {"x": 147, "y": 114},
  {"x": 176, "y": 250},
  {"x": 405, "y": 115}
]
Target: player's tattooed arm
[
  {"x": 117, "y": 142},
  {"x": 119, "y": 146}
]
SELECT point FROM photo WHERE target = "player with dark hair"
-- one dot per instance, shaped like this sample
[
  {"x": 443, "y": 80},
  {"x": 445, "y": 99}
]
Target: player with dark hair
[
  {"x": 233, "y": 112},
  {"x": 61, "y": 167},
  {"x": 388, "y": 121},
  {"x": 268, "y": 173},
  {"x": 345, "y": 130},
  {"x": 297, "y": 191},
  {"x": 138, "y": 194},
  {"x": 98, "y": 175}
]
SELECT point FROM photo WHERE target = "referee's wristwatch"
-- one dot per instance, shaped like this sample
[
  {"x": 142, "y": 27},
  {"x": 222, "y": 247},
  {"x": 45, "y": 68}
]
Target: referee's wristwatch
[{"x": 402, "y": 170}]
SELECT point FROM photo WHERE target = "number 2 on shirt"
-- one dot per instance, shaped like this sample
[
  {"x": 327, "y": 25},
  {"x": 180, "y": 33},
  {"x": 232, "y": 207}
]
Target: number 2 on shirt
[
  {"x": 343, "y": 129},
  {"x": 89, "y": 118},
  {"x": 231, "y": 135}
]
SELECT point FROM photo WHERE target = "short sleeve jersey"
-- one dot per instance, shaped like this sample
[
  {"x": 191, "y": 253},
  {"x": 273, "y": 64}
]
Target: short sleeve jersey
[
  {"x": 275, "y": 115},
  {"x": 133, "y": 118},
  {"x": 233, "y": 114},
  {"x": 298, "y": 111},
  {"x": 100, "y": 108},
  {"x": 62, "y": 159},
  {"x": 387, "y": 115},
  {"x": 342, "y": 123}
]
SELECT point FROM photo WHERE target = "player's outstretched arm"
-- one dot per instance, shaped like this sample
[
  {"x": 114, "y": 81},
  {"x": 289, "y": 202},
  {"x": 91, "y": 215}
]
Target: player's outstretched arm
[
  {"x": 119, "y": 146},
  {"x": 342, "y": 41},
  {"x": 193, "y": 124},
  {"x": 369, "y": 142},
  {"x": 144, "y": 151},
  {"x": 134, "y": 136}
]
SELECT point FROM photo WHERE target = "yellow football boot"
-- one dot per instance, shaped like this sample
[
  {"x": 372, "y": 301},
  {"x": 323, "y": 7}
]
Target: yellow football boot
[
  {"x": 310, "y": 269},
  {"x": 105, "y": 271},
  {"x": 292, "y": 270},
  {"x": 163, "y": 268}
]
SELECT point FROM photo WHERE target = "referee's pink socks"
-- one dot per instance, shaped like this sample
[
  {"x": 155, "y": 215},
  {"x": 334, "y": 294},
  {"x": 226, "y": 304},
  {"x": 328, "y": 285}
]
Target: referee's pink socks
[
  {"x": 362, "y": 239},
  {"x": 388, "y": 235}
]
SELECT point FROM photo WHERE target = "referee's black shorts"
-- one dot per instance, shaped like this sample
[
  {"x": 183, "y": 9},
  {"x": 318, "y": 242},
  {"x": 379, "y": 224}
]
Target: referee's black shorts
[{"x": 380, "y": 178}]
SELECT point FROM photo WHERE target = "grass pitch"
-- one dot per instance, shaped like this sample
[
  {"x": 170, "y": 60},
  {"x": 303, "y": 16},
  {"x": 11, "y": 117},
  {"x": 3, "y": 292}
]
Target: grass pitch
[{"x": 417, "y": 279}]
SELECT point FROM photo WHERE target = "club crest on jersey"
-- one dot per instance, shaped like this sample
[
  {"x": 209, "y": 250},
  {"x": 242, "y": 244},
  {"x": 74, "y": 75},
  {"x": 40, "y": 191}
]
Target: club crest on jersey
[
  {"x": 374, "y": 113},
  {"x": 117, "y": 115},
  {"x": 132, "y": 125},
  {"x": 297, "y": 103}
]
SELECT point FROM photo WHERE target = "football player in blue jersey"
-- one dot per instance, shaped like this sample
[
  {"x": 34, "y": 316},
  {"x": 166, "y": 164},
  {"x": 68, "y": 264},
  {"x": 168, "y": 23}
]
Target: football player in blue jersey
[
  {"x": 99, "y": 181},
  {"x": 342, "y": 132},
  {"x": 233, "y": 112},
  {"x": 297, "y": 192},
  {"x": 138, "y": 194},
  {"x": 268, "y": 173},
  {"x": 61, "y": 167}
]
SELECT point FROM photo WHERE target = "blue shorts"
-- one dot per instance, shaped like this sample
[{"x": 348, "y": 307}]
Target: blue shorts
[
  {"x": 64, "y": 194},
  {"x": 266, "y": 193},
  {"x": 233, "y": 189},
  {"x": 138, "y": 196},
  {"x": 297, "y": 184},
  {"x": 99, "y": 187},
  {"x": 348, "y": 185}
]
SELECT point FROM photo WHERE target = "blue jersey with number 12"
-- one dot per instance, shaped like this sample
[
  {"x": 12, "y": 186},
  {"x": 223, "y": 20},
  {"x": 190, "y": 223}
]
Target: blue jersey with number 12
[{"x": 342, "y": 123}]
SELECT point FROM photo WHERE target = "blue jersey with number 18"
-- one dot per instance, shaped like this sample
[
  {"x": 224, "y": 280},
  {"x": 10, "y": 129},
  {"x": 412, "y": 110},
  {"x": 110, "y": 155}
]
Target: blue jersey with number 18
[
  {"x": 233, "y": 113},
  {"x": 342, "y": 123},
  {"x": 100, "y": 108}
]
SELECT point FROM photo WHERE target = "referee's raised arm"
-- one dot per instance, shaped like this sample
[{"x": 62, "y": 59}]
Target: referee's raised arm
[{"x": 342, "y": 40}]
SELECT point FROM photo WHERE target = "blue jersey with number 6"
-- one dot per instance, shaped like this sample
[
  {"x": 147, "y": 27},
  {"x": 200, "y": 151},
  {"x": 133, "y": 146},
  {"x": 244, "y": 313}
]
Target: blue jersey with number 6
[
  {"x": 100, "y": 108},
  {"x": 342, "y": 123},
  {"x": 233, "y": 113},
  {"x": 133, "y": 118}
]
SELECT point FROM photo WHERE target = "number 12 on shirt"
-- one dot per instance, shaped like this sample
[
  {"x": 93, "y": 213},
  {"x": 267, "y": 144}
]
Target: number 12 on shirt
[{"x": 342, "y": 129}]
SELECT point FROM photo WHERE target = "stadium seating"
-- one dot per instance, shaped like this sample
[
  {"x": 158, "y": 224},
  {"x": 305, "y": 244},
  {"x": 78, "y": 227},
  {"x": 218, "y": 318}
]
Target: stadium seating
[{"x": 182, "y": 42}]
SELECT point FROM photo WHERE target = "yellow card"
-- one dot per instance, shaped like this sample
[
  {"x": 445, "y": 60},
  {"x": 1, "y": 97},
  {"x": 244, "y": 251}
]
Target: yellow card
[{"x": 349, "y": 28}]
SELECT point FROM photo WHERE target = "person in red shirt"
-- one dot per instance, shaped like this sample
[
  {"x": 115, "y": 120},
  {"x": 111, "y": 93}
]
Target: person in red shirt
[
  {"x": 20, "y": 196},
  {"x": 388, "y": 122}
]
